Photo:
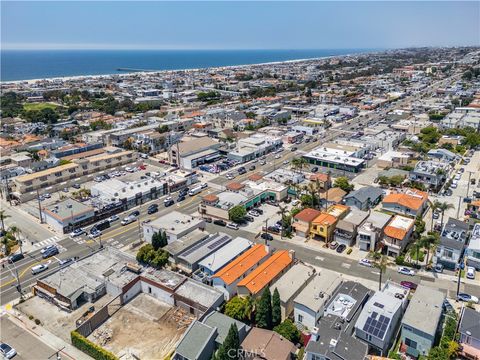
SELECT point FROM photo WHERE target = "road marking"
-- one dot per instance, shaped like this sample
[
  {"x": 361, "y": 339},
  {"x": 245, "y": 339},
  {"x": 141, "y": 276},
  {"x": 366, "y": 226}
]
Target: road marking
[
  {"x": 319, "y": 258},
  {"x": 375, "y": 272},
  {"x": 115, "y": 242},
  {"x": 346, "y": 265},
  {"x": 20, "y": 275},
  {"x": 45, "y": 242}
]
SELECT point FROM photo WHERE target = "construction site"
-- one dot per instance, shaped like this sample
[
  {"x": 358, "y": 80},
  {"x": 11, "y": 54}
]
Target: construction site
[{"x": 144, "y": 328}]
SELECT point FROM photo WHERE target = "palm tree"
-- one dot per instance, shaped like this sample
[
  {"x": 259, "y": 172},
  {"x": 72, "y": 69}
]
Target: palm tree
[
  {"x": 428, "y": 242},
  {"x": 15, "y": 231},
  {"x": 299, "y": 164},
  {"x": 281, "y": 211},
  {"x": 5, "y": 241},
  {"x": 435, "y": 206},
  {"x": 444, "y": 207},
  {"x": 380, "y": 262},
  {"x": 313, "y": 189},
  {"x": 3, "y": 216}
]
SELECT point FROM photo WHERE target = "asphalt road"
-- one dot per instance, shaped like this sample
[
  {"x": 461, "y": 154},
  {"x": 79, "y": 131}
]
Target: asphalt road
[{"x": 28, "y": 346}]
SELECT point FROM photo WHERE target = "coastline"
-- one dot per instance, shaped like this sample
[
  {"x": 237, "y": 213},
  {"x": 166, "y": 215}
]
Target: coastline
[{"x": 158, "y": 72}]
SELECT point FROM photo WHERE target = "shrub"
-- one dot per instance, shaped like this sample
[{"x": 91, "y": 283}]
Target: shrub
[
  {"x": 400, "y": 260},
  {"x": 89, "y": 348},
  {"x": 30, "y": 317},
  {"x": 37, "y": 322}
]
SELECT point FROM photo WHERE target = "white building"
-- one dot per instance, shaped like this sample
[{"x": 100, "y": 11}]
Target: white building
[{"x": 175, "y": 225}]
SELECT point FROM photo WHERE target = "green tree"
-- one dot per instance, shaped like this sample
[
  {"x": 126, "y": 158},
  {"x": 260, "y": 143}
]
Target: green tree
[
  {"x": 229, "y": 350},
  {"x": 276, "y": 308},
  {"x": 156, "y": 240},
  {"x": 428, "y": 242},
  {"x": 380, "y": 262},
  {"x": 3, "y": 216},
  {"x": 289, "y": 331},
  {"x": 437, "y": 353},
  {"x": 444, "y": 206},
  {"x": 263, "y": 316},
  {"x": 162, "y": 129},
  {"x": 343, "y": 183},
  {"x": 239, "y": 308},
  {"x": 237, "y": 213}
]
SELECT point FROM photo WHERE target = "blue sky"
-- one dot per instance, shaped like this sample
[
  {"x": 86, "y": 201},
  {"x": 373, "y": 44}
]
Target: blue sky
[{"x": 237, "y": 25}]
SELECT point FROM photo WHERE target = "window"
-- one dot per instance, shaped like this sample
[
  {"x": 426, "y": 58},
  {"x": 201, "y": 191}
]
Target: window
[
  {"x": 410, "y": 343},
  {"x": 300, "y": 318},
  {"x": 448, "y": 253},
  {"x": 149, "y": 290},
  {"x": 58, "y": 174}
]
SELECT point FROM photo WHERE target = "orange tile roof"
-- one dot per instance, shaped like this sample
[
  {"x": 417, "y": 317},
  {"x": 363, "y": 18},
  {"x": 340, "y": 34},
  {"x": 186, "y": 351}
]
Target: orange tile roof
[
  {"x": 307, "y": 215},
  {"x": 413, "y": 200},
  {"x": 266, "y": 272},
  {"x": 319, "y": 177},
  {"x": 255, "y": 177},
  {"x": 325, "y": 219},
  {"x": 395, "y": 233},
  {"x": 236, "y": 268},
  {"x": 210, "y": 197},
  {"x": 235, "y": 186}
]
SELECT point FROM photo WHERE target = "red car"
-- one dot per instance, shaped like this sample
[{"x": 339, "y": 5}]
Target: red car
[
  {"x": 142, "y": 167},
  {"x": 409, "y": 285}
]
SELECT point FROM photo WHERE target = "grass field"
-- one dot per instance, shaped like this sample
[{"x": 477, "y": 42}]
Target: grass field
[{"x": 39, "y": 106}]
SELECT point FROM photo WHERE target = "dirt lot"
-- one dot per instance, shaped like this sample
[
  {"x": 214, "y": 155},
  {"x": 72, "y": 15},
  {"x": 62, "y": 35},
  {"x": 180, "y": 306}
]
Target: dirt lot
[
  {"x": 145, "y": 327},
  {"x": 58, "y": 322}
]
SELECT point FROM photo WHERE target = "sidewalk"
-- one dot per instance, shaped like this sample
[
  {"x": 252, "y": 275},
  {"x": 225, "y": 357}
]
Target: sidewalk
[{"x": 68, "y": 352}]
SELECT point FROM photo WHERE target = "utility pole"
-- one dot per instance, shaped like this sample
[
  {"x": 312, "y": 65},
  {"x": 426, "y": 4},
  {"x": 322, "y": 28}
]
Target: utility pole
[
  {"x": 266, "y": 230},
  {"x": 17, "y": 278},
  {"x": 468, "y": 184},
  {"x": 459, "y": 204},
  {"x": 39, "y": 208},
  {"x": 461, "y": 266}
]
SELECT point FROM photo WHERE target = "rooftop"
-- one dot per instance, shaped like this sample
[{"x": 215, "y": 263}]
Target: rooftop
[
  {"x": 319, "y": 290},
  {"x": 204, "y": 295},
  {"x": 412, "y": 199},
  {"x": 293, "y": 280},
  {"x": 399, "y": 227},
  {"x": 205, "y": 247},
  {"x": 186, "y": 241},
  {"x": 175, "y": 222},
  {"x": 225, "y": 254},
  {"x": 67, "y": 209},
  {"x": 425, "y": 310}
]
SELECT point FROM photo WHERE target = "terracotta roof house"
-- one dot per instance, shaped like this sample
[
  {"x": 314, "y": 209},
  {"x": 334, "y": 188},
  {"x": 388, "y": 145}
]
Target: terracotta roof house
[
  {"x": 265, "y": 274},
  {"x": 411, "y": 202},
  {"x": 234, "y": 186},
  {"x": 332, "y": 196},
  {"x": 267, "y": 344},
  {"x": 397, "y": 234},
  {"x": 227, "y": 278},
  {"x": 302, "y": 222}
]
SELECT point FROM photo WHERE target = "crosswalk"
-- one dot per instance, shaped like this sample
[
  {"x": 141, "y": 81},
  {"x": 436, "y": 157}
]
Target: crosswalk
[{"x": 46, "y": 242}]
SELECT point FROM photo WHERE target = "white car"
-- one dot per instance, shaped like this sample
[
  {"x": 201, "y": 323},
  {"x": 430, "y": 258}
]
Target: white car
[
  {"x": 253, "y": 213},
  {"x": 39, "y": 268},
  {"x": 232, "y": 226},
  {"x": 365, "y": 262},
  {"x": 458, "y": 176},
  {"x": 204, "y": 185},
  {"x": 167, "y": 199},
  {"x": 128, "y": 220},
  {"x": 113, "y": 218},
  {"x": 277, "y": 156},
  {"x": 77, "y": 232},
  {"x": 405, "y": 271},
  {"x": 7, "y": 351},
  {"x": 129, "y": 169},
  {"x": 470, "y": 274},
  {"x": 95, "y": 234}
]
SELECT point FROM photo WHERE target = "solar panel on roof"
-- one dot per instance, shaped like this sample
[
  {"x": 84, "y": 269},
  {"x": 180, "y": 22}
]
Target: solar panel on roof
[
  {"x": 374, "y": 315},
  {"x": 222, "y": 239}
]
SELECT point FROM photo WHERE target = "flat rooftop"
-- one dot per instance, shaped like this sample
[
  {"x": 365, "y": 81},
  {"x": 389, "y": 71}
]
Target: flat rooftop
[
  {"x": 175, "y": 222},
  {"x": 292, "y": 281},
  {"x": 205, "y": 247},
  {"x": 225, "y": 254},
  {"x": 67, "y": 208}
]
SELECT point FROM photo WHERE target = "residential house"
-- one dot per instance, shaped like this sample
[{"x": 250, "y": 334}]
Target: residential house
[
  {"x": 265, "y": 274},
  {"x": 379, "y": 320},
  {"x": 267, "y": 344},
  {"x": 291, "y": 284},
  {"x": 432, "y": 174},
  {"x": 333, "y": 338},
  {"x": 332, "y": 196},
  {"x": 443, "y": 155},
  {"x": 472, "y": 253},
  {"x": 323, "y": 181},
  {"x": 309, "y": 305},
  {"x": 420, "y": 324},
  {"x": 410, "y": 202},
  {"x": 364, "y": 198},
  {"x": 469, "y": 330},
  {"x": 229, "y": 276},
  {"x": 346, "y": 229},
  {"x": 324, "y": 224},
  {"x": 397, "y": 235},
  {"x": 302, "y": 222},
  {"x": 452, "y": 244},
  {"x": 371, "y": 232}
]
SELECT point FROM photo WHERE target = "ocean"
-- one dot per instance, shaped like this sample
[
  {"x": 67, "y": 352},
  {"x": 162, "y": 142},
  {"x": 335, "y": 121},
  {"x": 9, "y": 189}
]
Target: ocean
[{"x": 39, "y": 64}]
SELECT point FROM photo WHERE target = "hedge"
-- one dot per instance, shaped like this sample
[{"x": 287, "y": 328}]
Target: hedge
[{"x": 89, "y": 348}]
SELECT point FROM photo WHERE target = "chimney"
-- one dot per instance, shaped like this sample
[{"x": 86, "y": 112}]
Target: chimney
[
  {"x": 315, "y": 334},
  {"x": 291, "y": 253}
]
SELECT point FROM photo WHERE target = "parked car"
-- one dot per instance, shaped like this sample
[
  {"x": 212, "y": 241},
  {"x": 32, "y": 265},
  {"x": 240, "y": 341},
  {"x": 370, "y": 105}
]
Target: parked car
[
  {"x": 405, "y": 271},
  {"x": 249, "y": 218},
  {"x": 333, "y": 245},
  {"x": 180, "y": 199},
  {"x": 208, "y": 219},
  {"x": 447, "y": 306},
  {"x": 365, "y": 262},
  {"x": 113, "y": 218},
  {"x": 258, "y": 210},
  {"x": 266, "y": 236},
  {"x": 438, "y": 268},
  {"x": 435, "y": 215},
  {"x": 77, "y": 232},
  {"x": 219, "y": 222},
  {"x": 409, "y": 285},
  {"x": 467, "y": 298},
  {"x": 232, "y": 226},
  {"x": 274, "y": 229},
  {"x": 7, "y": 351},
  {"x": 253, "y": 213},
  {"x": 315, "y": 169},
  {"x": 341, "y": 248},
  {"x": 39, "y": 268},
  {"x": 252, "y": 167},
  {"x": 76, "y": 186},
  {"x": 470, "y": 274},
  {"x": 66, "y": 261},
  {"x": 15, "y": 257},
  {"x": 204, "y": 185}
]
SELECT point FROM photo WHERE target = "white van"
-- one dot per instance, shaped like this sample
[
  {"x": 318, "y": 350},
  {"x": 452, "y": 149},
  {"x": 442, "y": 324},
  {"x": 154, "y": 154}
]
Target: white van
[
  {"x": 195, "y": 190},
  {"x": 470, "y": 272},
  {"x": 39, "y": 268}
]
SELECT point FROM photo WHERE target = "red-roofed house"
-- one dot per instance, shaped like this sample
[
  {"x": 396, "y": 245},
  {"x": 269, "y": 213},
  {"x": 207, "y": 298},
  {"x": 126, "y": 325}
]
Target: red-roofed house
[{"x": 302, "y": 222}]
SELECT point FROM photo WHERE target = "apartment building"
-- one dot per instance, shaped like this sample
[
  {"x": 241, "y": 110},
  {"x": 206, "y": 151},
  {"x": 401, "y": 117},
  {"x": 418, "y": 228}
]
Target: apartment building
[
  {"x": 398, "y": 234},
  {"x": 430, "y": 173},
  {"x": 75, "y": 172}
]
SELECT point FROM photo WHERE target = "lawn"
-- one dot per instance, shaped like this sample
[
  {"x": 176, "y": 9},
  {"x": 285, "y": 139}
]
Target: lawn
[{"x": 39, "y": 106}]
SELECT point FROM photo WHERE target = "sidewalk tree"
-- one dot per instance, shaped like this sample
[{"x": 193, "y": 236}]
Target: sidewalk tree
[
  {"x": 263, "y": 316},
  {"x": 3, "y": 216},
  {"x": 289, "y": 331},
  {"x": 343, "y": 183},
  {"x": 276, "y": 308},
  {"x": 237, "y": 213},
  {"x": 239, "y": 308}
]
